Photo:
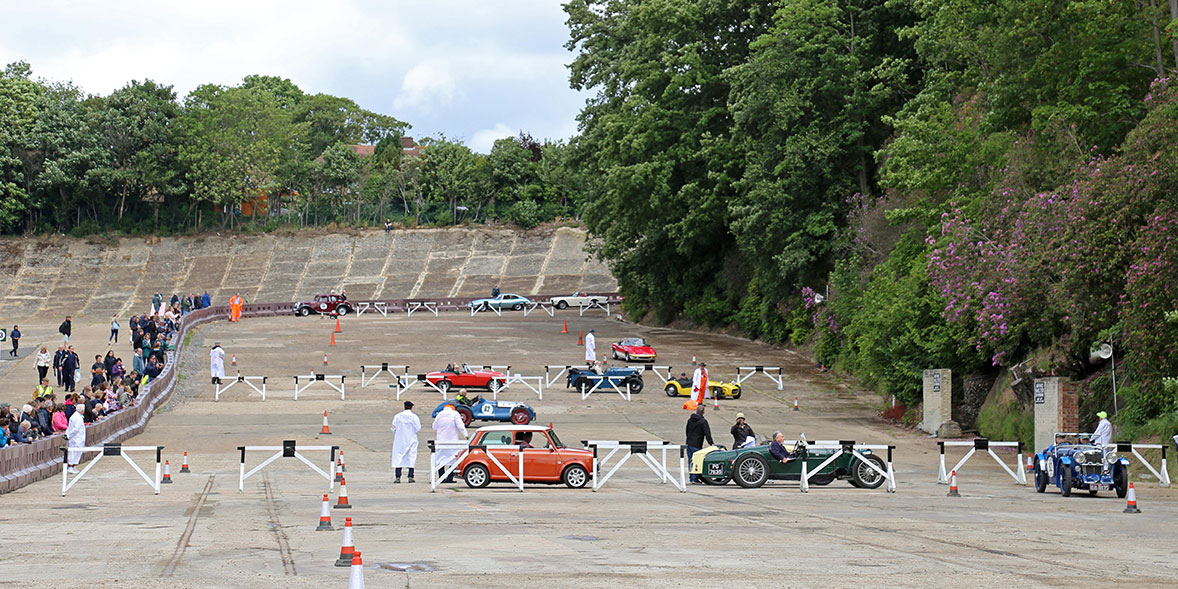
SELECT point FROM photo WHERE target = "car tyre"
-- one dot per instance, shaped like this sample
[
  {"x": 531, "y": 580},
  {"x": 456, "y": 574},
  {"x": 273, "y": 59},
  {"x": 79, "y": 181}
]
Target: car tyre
[
  {"x": 736, "y": 393},
  {"x": 582, "y": 385},
  {"x": 616, "y": 357},
  {"x": 715, "y": 481},
  {"x": 477, "y": 476},
  {"x": 635, "y": 386},
  {"x": 627, "y": 356},
  {"x": 466, "y": 415},
  {"x": 825, "y": 479},
  {"x": 304, "y": 311},
  {"x": 517, "y": 307},
  {"x": 671, "y": 390},
  {"x": 1121, "y": 482},
  {"x": 562, "y": 305},
  {"x": 520, "y": 416},
  {"x": 495, "y": 385},
  {"x": 1040, "y": 480},
  {"x": 444, "y": 386},
  {"x": 750, "y": 471},
  {"x": 342, "y": 310},
  {"x": 1065, "y": 481},
  {"x": 575, "y": 476},
  {"x": 865, "y": 476}
]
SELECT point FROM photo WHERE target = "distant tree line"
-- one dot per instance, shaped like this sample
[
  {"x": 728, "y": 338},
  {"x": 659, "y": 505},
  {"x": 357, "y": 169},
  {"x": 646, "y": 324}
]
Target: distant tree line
[{"x": 263, "y": 153}]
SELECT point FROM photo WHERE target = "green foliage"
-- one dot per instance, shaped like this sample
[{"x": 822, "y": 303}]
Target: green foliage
[
  {"x": 525, "y": 213},
  {"x": 1007, "y": 421}
]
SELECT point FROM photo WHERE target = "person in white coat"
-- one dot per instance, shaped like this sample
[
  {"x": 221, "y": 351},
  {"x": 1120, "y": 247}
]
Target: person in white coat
[
  {"x": 75, "y": 435},
  {"x": 405, "y": 427},
  {"x": 449, "y": 428},
  {"x": 590, "y": 348},
  {"x": 699, "y": 383},
  {"x": 1104, "y": 430},
  {"x": 217, "y": 362}
]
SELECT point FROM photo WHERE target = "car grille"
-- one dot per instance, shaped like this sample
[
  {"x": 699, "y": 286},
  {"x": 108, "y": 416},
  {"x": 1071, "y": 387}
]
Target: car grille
[{"x": 1090, "y": 469}]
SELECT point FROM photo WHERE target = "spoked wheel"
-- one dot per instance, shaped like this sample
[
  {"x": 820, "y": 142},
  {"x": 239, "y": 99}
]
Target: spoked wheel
[
  {"x": 495, "y": 385},
  {"x": 635, "y": 386},
  {"x": 1040, "y": 480},
  {"x": 517, "y": 307},
  {"x": 444, "y": 386},
  {"x": 466, "y": 415},
  {"x": 1065, "y": 482},
  {"x": 751, "y": 471},
  {"x": 476, "y": 476},
  {"x": 867, "y": 477},
  {"x": 575, "y": 476},
  {"x": 520, "y": 416},
  {"x": 562, "y": 305},
  {"x": 1121, "y": 482}
]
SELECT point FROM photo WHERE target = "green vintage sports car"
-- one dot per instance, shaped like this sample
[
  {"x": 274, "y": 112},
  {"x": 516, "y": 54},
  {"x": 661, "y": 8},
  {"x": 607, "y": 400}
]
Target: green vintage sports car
[{"x": 751, "y": 467}]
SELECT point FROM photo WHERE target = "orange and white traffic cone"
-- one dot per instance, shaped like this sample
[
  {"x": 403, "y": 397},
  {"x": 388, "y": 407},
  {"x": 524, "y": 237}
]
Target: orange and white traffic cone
[
  {"x": 580, "y": 338},
  {"x": 332, "y": 342},
  {"x": 796, "y": 408},
  {"x": 565, "y": 329},
  {"x": 325, "y": 516},
  {"x": 233, "y": 360},
  {"x": 325, "y": 431},
  {"x": 1131, "y": 505},
  {"x": 343, "y": 467},
  {"x": 693, "y": 359},
  {"x": 167, "y": 480},
  {"x": 356, "y": 580},
  {"x": 342, "y": 501},
  {"x": 347, "y": 548},
  {"x": 1030, "y": 462},
  {"x": 953, "y": 485},
  {"x": 337, "y": 329},
  {"x": 325, "y": 354},
  {"x": 184, "y": 465}
]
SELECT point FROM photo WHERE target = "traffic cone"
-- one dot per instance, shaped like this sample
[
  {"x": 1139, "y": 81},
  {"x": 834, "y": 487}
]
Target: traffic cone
[
  {"x": 693, "y": 359},
  {"x": 325, "y": 353},
  {"x": 796, "y": 404},
  {"x": 342, "y": 501},
  {"x": 1030, "y": 462},
  {"x": 332, "y": 340},
  {"x": 1131, "y": 506},
  {"x": 184, "y": 465},
  {"x": 580, "y": 338},
  {"x": 565, "y": 329},
  {"x": 167, "y": 474},
  {"x": 343, "y": 467},
  {"x": 337, "y": 329},
  {"x": 347, "y": 548},
  {"x": 325, "y": 431},
  {"x": 325, "y": 517},
  {"x": 233, "y": 360},
  {"x": 953, "y": 485},
  {"x": 356, "y": 580}
]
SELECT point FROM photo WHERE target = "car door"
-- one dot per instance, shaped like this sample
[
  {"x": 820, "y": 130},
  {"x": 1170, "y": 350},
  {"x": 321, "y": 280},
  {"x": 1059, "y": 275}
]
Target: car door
[
  {"x": 508, "y": 458},
  {"x": 540, "y": 461}
]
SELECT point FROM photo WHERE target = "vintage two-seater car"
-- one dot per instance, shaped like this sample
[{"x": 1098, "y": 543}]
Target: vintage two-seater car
[
  {"x": 622, "y": 377},
  {"x": 546, "y": 459},
  {"x": 752, "y": 467},
  {"x": 681, "y": 387},
  {"x": 482, "y": 409},
  {"x": 466, "y": 377},
  {"x": 577, "y": 299},
  {"x": 1073, "y": 465},
  {"x": 633, "y": 349}
]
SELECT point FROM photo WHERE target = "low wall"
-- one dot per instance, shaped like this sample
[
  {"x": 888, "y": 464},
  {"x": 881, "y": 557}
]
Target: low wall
[{"x": 27, "y": 463}]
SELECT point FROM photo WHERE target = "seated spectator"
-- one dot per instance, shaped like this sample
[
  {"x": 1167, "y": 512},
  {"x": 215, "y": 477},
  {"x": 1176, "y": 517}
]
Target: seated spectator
[
  {"x": 60, "y": 421},
  {"x": 45, "y": 417},
  {"x": 4, "y": 432},
  {"x": 14, "y": 431},
  {"x": 30, "y": 433},
  {"x": 112, "y": 400},
  {"x": 125, "y": 398}
]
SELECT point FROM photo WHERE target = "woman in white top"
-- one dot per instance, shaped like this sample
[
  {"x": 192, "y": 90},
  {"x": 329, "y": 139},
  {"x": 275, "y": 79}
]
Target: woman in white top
[{"x": 44, "y": 361}]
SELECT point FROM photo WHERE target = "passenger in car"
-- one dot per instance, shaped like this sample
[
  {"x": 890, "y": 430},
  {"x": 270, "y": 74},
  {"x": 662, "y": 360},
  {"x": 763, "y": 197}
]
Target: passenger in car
[{"x": 777, "y": 448}]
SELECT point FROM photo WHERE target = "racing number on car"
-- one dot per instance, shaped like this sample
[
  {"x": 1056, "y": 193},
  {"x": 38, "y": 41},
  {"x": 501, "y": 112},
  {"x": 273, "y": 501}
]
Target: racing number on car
[
  {"x": 322, "y": 305},
  {"x": 487, "y": 410}
]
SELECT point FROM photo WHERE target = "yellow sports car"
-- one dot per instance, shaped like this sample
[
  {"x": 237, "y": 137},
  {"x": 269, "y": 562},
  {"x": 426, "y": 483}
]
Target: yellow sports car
[{"x": 681, "y": 387}]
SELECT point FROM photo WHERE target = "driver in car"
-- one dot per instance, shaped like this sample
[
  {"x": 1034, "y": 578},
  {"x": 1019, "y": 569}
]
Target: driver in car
[
  {"x": 524, "y": 440},
  {"x": 462, "y": 398},
  {"x": 777, "y": 448}
]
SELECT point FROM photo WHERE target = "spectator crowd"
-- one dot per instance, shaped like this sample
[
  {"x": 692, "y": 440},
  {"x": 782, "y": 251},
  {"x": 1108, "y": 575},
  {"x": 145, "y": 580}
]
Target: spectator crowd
[{"x": 113, "y": 386}]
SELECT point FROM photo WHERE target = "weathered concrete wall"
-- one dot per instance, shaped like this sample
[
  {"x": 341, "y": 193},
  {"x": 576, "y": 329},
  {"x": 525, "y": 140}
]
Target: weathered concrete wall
[
  {"x": 938, "y": 399},
  {"x": 1057, "y": 409},
  {"x": 82, "y": 278}
]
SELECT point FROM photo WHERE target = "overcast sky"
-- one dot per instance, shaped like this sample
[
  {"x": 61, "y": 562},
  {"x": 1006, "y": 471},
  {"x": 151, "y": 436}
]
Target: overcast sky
[{"x": 472, "y": 70}]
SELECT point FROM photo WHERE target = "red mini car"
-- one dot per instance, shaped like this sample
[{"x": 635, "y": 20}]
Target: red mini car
[
  {"x": 633, "y": 348},
  {"x": 464, "y": 377},
  {"x": 546, "y": 459},
  {"x": 324, "y": 304}
]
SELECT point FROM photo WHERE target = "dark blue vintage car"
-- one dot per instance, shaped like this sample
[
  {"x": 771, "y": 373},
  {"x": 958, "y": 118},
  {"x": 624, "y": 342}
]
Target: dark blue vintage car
[
  {"x": 480, "y": 408},
  {"x": 583, "y": 379},
  {"x": 1071, "y": 464}
]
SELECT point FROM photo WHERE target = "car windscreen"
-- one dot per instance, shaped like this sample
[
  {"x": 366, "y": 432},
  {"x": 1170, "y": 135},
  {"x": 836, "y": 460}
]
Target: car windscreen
[
  {"x": 555, "y": 440},
  {"x": 634, "y": 341}
]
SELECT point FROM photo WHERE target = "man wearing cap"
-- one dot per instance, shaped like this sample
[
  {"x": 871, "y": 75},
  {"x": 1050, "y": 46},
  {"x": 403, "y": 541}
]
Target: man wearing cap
[
  {"x": 217, "y": 362},
  {"x": 449, "y": 427},
  {"x": 590, "y": 348},
  {"x": 1104, "y": 430},
  {"x": 742, "y": 433},
  {"x": 699, "y": 383},
  {"x": 405, "y": 427}
]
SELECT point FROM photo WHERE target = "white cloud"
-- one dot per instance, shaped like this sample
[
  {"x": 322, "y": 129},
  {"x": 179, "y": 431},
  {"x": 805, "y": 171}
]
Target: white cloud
[
  {"x": 426, "y": 85},
  {"x": 482, "y": 140}
]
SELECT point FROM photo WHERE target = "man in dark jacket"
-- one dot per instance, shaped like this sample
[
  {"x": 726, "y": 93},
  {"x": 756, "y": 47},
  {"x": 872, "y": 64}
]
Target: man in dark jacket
[
  {"x": 205, "y": 300},
  {"x": 68, "y": 366},
  {"x": 58, "y": 358},
  {"x": 65, "y": 329},
  {"x": 44, "y": 419},
  {"x": 697, "y": 431}
]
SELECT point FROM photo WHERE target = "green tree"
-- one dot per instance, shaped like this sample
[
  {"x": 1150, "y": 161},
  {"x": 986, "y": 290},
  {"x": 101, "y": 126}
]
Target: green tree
[{"x": 18, "y": 115}]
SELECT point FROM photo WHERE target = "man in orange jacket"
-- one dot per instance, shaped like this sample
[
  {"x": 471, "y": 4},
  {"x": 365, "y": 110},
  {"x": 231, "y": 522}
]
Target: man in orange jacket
[{"x": 235, "y": 303}]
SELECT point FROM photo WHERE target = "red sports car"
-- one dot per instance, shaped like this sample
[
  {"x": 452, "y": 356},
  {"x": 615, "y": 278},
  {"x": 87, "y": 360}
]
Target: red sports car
[
  {"x": 633, "y": 348},
  {"x": 464, "y": 377}
]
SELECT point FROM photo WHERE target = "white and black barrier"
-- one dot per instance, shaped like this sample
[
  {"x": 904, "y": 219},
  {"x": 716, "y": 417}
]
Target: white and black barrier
[
  {"x": 527, "y": 381},
  {"x": 773, "y": 372},
  {"x": 288, "y": 449},
  {"x": 448, "y": 465},
  {"x": 378, "y": 306},
  {"x": 603, "y": 382},
  {"x": 1019, "y": 474},
  {"x": 248, "y": 380},
  {"x": 323, "y": 378},
  {"x": 855, "y": 451},
  {"x": 542, "y": 305},
  {"x": 111, "y": 450},
  {"x": 550, "y": 378},
  {"x": 643, "y": 450},
  {"x": 655, "y": 368},
  {"x": 378, "y": 369},
  {"x": 414, "y": 306},
  {"x": 592, "y": 305},
  {"x": 1163, "y": 475},
  {"x": 407, "y": 382}
]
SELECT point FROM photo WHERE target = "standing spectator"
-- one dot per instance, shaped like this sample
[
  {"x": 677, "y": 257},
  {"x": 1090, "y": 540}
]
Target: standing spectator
[
  {"x": 742, "y": 433},
  {"x": 699, "y": 383},
  {"x": 58, "y": 358},
  {"x": 186, "y": 305},
  {"x": 75, "y": 435},
  {"x": 405, "y": 427},
  {"x": 590, "y": 348},
  {"x": 43, "y": 390},
  {"x": 59, "y": 420},
  {"x": 137, "y": 364},
  {"x": 697, "y": 431},
  {"x": 97, "y": 371},
  {"x": 217, "y": 362},
  {"x": 65, "y": 329},
  {"x": 235, "y": 303},
  {"x": 14, "y": 335},
  {"x": 157, "y": 304},
  {"x": 69, "y": 369},
  {"x": 449, "y": 427},
  {"x": 114, "y": 329},
  {"x": 44, "y": 361},
  {"x": 44, "y": 415},
  {"x": 205, "y": 300}
]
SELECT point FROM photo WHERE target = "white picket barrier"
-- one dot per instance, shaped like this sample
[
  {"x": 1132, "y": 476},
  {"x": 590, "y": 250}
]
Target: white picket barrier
[
  {"x": 476, "y": 309},
  {"x": 248, "y": 380},
  {"x": 549, "y": 379},
  {"x": 1162, "y": 475},
  {"x": 1019, "y": 474},
  {"x": 542, "y": 305},
  {"x": 435, "y": 478},
  {"x": 743, "y": 376},
  {"x": 849, "y": 447},
  {"x": 592, "y": 305},
  {"x": 655, "y": 369},
  {"x": 111, "y": 450},
  {"x": 599, "y": 381},
  {"x": 527, "y": 381},
  {"x": 405, "y": 382},
  {"x": 383, "y": 367},
  {"x": 288, "y": 449},
  {"x": 323, "y": 378},
  {"x": 378, "y": 306},
  {"x": 642, "y": 450},
  {"x": 430, "y": 306}
]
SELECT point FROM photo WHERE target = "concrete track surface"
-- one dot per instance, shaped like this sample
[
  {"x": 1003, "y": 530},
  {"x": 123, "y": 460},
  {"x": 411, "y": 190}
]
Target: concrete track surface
[{"x": 110, "y": 531}]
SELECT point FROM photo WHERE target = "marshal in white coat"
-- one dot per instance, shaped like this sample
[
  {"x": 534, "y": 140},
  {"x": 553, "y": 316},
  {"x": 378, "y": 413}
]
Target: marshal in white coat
[{"x": 405, "y": 427}]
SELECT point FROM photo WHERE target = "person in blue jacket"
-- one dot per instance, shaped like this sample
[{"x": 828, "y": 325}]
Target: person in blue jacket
[
  {"x": 205, "y": 300},
  {"x": 14, "y": 335}
]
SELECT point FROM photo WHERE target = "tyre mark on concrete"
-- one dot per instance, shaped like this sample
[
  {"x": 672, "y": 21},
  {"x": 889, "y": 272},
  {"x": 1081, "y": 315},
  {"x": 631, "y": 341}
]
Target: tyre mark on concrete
[
  {"x": 186, "y": 536},
  {"x": 288, "y": 564}
]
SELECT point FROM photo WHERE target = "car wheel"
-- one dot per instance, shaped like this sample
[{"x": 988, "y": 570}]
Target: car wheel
[
  {"x": 466, "y": 415},
  {"x": 635, "y": 386},
  {"x": 582, "y": 385},
  {"x": 715, "y": 481},
  {"x": 562, "y": 305},
  {"x": 866, "y": 476},
  {"x": 520, "y": 416},
  {"x": 823, "y": 479},
  {"x": 495, "y": 385},
  {"x": 1121, "y": 482},
  {"x": 1040, "y": 480},
  {"x": 486, "y": 307},
  {"x": 1065, "y": 481},
  {"x": 616, "y": 357},
  {"x": 736, "y": 393},
  {"x": 477, "y": 476},
  {"x": 444, "y": 386},
  {"x": 304, "y": 311},
  {"x": 751, "y": 471},
  {"x": 342, "y": 310},
  {"x": 627, "y": 356},
  {"x": 575, "y": 476},
  {"x": 517, "y": 307},
  {"x": 671, "y": 391}
]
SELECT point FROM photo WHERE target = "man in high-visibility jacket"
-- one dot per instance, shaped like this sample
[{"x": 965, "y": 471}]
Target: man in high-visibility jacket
[
  {"x": 699, "y": 383},
  {"x": 235, "y": 303},
  {"x": 43, "y": 389}
]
